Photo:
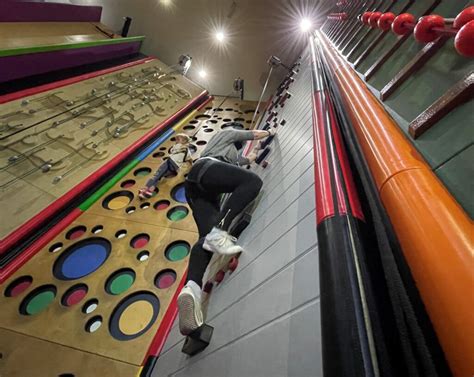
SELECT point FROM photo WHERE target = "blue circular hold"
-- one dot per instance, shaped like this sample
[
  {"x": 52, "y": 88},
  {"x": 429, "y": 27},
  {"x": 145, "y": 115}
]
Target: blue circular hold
[
  {"x": 82, "y": 258},
  {"x": 179, "y": 193}
]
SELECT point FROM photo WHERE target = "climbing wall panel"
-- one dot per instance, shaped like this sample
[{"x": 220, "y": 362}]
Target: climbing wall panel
[
  {"x": 98, "y": 291},
  {"x": 51, "y": 141}
]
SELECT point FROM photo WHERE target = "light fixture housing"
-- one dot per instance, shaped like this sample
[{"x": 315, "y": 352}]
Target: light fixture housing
[{"x": 185, "y": 62}]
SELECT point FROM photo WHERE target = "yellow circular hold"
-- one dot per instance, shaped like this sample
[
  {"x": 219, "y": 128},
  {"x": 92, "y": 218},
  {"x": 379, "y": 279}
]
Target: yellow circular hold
[
  {"x": 136, "y": 317},
  {"x": 119, "y": 202}
]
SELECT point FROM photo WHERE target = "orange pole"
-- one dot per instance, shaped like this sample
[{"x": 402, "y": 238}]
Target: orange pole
[{"x": 434, "y": 232}]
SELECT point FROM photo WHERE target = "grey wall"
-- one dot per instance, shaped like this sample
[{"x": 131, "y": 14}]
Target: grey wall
[{"x": 266, "y": 314}]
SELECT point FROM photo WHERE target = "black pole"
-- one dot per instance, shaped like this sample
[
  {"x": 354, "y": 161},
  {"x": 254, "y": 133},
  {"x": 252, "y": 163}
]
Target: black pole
[{"x": 126, "y": 26}]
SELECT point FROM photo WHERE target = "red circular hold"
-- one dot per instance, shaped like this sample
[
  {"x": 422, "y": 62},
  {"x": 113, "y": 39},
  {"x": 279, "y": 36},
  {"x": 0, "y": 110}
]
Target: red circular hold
[
  {"x": 233, "y": 264},
  {"x": 402, "y": 23},
  {"x": 373, "y": 19},
  {"x": 464, "y": 17},
  {"x": 219, "y": 276},
  {"x": 464, "y": 41},
  {"x": 139, "y": 241},
  {"x": 386, "y": 20},
  {"x": 76, "y": 232},
  {"x": 18, "y": 286},
  {"x": 424, "y": 29},
  {"x": 208, "y": 287},
  {"x": 74, "y": 295},
  {"x": 365, "y": 17}
]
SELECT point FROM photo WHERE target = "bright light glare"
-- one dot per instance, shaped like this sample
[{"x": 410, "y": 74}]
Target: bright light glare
[
  {"x": 165, "y": 3},
  {"x": 220, "y": 36},
  {"x": 305, "y": 25},
  {"x": 202, "y": 73}
]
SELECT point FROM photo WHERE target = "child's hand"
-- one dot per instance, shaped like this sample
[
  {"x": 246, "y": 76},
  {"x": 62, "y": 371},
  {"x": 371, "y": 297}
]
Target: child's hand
[{"x": 252, "y": 156}]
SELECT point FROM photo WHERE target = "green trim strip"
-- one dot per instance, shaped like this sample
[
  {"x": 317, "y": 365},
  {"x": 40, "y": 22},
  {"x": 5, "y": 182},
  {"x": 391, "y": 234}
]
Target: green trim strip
[
  {"x": 67, "y": 46},
  {"x": 106, "y": 187}
]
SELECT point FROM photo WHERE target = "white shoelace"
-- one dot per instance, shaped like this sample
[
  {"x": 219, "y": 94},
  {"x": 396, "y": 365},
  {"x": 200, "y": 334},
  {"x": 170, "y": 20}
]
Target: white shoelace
[{"x": 227, "y": 238}]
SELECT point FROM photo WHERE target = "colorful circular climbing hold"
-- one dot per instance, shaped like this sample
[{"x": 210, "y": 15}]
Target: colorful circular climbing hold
[
  {"x": 178, "y": 193},
  {"x": 18, "y": 286},
  {"x": 38, "y": 300},
  {"x": 117, "y": 200},
  {"x": 139, "y": 241},
  {"x": 82, "y": 258},
  {"x": 134, "y": 315},
  {"x": 374, "y": 18},
  {"x": 165, "y": 279},
  {"x": 177, "y": 213},
  {"x": 177, "y": 250},
  {"x": 161, "y": 204},
  {"x": 141, "y": 172},
  {"x": 464, "y": 17},
  {"x": 403, "y": 24},
  {"x": 74, "y": 295},
  {"x": 120, "y": 281},
  {"x": 425, "y": 28},
  {"x": 128, "y": 183},
  {"x": 464, "y": 41},
  {"x": 76, "y": 232},
  {"x": 385, "y": 21}
]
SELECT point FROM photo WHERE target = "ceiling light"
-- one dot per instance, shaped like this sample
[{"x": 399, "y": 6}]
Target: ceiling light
[
  {"x": 305, "y": 25},
  {"x": 220, "y": 36},
  {"x": 202, "y": 73}
]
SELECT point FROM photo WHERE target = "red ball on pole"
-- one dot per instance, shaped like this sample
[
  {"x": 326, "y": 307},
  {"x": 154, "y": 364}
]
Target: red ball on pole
[
  {"x": 386, "y": 20},
  {"x": 365, "y": 17},
  {"x": 464, "y": 17},
  {"x": 464, "y": 41},
  {"x": 374, "y": 19},
  {"x": 424, "y": 28},
  {"x": 402, "y": 24}
]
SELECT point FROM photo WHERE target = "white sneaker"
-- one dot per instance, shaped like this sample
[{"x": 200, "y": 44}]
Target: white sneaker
[
  {"x": 189, "y": 307},
  {"x": 221, "y": 242}
]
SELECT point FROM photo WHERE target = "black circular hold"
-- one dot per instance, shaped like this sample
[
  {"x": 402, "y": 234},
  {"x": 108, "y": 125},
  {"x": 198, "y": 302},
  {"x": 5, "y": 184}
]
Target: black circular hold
[
  {"x": 66, "y": 375},
  {"x": 229, "y": 109},
  {"x": 130, "y": 210},
  {"x": 121, "y": 233},
  {"x": 194, "y": 121},
  {"x": 218, "y": 109},
  {"x": 202, "y": 116},
  {"x": 187, "y": 128},
  {"x": 114, "y": 326},
  {"x": 162, "y": 148},
  {"x": 209, "y": 130},
  {"x": 128, "y": 183},
  {"x": 239, "y": 119},
  {"x": 201, "y": 142},
  {"x": 173, "y": 139},
  {"x": 227, "y": 120},
  {"x": 158, "y": 154},
  {"x": 213, "y": 121},
  {"x": 192, "y": 148},
  {"x": 143, "y": 255}
]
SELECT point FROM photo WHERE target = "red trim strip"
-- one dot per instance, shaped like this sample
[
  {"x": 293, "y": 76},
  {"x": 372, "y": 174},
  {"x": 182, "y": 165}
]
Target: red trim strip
[
  {"x": 28, "y": 253},
  {"x": 166, "y": 324},
  {"x": 58, "y": 84},
  {"x": 346, "y": 171},
  {"x": 209, "y": 99},
  {"x": 35, "y": 222},
  {"x": 322, "y": 178}
]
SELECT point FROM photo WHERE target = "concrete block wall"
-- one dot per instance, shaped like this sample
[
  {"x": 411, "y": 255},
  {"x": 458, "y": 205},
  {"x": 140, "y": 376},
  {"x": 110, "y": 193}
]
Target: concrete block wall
[{"x": 266, "y": 315}]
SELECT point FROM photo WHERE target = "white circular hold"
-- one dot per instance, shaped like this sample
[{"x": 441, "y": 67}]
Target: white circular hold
[
  {"x": 143, "y": 257},
  {"x": 94, "y": 326},
  {"x": 56, "y": 249},
  {"x": 91, "y": 308}
]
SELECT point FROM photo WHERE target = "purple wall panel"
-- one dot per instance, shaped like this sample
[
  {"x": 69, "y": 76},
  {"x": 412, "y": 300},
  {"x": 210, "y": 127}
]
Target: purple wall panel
[
  {"x": 23, "y": 11},
  {"x": 20, "y": 66}
]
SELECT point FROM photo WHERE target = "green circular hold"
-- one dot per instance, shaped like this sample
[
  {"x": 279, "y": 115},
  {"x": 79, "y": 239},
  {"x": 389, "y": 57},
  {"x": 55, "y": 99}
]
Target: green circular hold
[
  {"x": 178, "y": 215},
  {"x": 121, "y": 283},
  {"x": 40, "y": 302},
  {"x": 178, "y": 252}
]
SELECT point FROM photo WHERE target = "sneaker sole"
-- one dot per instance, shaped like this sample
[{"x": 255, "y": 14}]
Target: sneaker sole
[{"x": 187, "y": 318}]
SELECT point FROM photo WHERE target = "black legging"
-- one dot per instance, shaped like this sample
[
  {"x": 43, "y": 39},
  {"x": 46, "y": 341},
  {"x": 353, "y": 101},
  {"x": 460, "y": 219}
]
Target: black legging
[{"x": 219, "y": 178}]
